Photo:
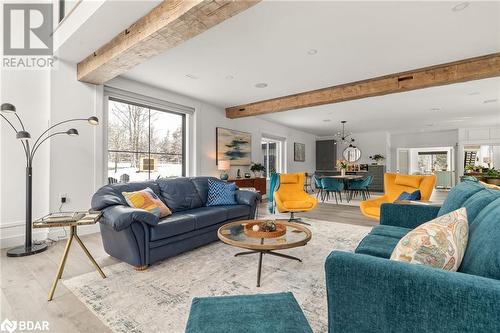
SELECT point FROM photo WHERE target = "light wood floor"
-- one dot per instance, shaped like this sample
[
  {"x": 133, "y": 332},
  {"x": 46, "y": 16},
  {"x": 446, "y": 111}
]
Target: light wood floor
[{"x": 25, "y": 282}]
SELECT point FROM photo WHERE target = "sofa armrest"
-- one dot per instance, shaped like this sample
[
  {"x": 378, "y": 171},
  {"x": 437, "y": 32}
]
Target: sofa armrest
[
  {"x": 371, "y": 294},
  {"x": 408, "y": 216},
  {"x": 119, "y": 217},
  {"x": 248, "y": 198}
]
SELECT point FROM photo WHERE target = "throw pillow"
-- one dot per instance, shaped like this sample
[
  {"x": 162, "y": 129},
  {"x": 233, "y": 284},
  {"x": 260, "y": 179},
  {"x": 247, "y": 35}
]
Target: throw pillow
[
  {"x": 221, "y": 193},
  {"x": 439, "y": 243},
  {"x": 148, "y": 200},
  {"x": 414, "y": 196}
]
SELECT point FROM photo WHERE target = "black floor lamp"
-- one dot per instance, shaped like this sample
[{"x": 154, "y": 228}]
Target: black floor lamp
[{"x": 24, "y": 136}]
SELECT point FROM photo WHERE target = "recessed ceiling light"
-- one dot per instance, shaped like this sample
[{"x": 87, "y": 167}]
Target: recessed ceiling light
[
  {"x": 327, "y": 120},
  {"x": 436, "y": 109},
  {"x": 490, "y": 100},
  {"x": 429, "y": 125},
  {"x": 191, "y": 76},
  {"x": 261, "y": 85},
  {"x": 312, "y": 51},
  {"x": 460, "y": 6},
  {"x": 229, "y": 77},
  {"x": 456, "y": 120}
]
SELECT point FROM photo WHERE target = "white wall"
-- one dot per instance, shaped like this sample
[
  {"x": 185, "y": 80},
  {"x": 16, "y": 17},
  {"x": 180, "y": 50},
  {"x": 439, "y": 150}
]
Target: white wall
[
  {"x": 447, "y": 138},
  {"x": 208, "y": 117},
  {"x": 28, "y": 90}
]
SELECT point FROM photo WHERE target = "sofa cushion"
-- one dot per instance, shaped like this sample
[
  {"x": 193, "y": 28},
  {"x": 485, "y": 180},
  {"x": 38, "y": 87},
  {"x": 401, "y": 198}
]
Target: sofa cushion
[
  {"x": 389, "y": 231},
  {"x": 482, "y": 256},
  {"x": 458, "y": 195},
  {"x": 179, "y": 194},
  {"x": 377, "y": 246},
  {"x": 201, "y": 185},
  {"x": 234, "y": 211},
  {"x": 175, "y": 224},
  {"x": 478, "y": 201},
  {"x": 111, "y": 195},
  {"x": 206, "y": 216},
  {"x": 406, "y": 180}
]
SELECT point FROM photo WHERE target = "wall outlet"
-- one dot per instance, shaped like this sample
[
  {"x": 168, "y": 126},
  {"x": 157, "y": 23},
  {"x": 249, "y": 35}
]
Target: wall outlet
[{"x": 64, "y": 198}]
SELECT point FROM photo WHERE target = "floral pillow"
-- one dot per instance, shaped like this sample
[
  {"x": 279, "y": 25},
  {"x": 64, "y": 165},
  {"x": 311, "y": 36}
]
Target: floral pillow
[
  {"x": 439, "y": 243},
  {"x": 148, "y": 200}
]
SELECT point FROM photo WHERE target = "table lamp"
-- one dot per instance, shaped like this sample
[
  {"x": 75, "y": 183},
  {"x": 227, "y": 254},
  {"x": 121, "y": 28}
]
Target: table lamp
[{"x": 224, "y": 166}]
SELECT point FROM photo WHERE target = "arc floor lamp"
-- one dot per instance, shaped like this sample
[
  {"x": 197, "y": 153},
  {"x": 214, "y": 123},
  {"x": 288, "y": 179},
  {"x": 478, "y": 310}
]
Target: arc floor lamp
[{"x": 30, "y": 150}]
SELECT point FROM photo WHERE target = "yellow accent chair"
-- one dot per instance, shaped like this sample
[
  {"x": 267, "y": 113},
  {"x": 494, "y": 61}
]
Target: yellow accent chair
[
  {"x": 291, "y": 197},
  {"x": 394, "y": 185}
]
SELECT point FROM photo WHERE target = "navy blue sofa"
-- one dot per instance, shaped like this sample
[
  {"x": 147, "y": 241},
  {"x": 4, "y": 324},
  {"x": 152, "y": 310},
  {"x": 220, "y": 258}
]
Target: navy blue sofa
[{"x": 140, "y": 238}]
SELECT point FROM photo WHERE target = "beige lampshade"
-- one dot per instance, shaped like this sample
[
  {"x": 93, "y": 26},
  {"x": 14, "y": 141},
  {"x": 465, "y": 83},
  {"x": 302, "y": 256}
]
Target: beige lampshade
[{"x": 224, "y": 165}]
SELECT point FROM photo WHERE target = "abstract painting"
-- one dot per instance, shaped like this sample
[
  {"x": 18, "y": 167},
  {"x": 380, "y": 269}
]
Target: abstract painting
[
  {"x": 299, "y": 152},
  {"x": 234, "y": 146}
]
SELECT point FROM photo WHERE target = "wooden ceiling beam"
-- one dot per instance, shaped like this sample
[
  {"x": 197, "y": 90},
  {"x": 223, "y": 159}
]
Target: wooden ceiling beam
[
  {"x": 449, "y": 73},
  {"x": 166, "y": 26}
]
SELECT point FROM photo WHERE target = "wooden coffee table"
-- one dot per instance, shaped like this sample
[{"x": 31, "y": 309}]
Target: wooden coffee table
[{"x": 233, "y": 234}]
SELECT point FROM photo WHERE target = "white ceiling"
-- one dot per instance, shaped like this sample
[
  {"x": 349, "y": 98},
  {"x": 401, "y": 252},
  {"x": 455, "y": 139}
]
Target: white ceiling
[
  {"x": 88, "y": 33},
  {"x": 354, "y": 40}
]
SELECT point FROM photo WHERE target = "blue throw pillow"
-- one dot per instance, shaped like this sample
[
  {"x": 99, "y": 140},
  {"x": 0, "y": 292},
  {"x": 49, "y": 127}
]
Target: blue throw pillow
[
  {"x": 415, "y": 196},
  {"x": 221, "y": 193}
]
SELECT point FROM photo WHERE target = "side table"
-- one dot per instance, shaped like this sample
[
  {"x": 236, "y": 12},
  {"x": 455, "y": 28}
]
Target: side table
[{"x": 87, "y": 219}]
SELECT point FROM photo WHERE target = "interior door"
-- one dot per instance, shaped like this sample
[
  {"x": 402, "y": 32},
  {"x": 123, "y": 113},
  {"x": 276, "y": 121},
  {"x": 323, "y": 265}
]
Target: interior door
[{"x": 403, "y": 161}]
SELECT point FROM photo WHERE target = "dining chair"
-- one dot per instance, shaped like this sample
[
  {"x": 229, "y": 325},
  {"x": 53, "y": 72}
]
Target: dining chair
[
  {"x": 318, "y": 185},
  {"x": 361, "y": 186},
  {"x": 332, "y": 185},
  {"x": 308, "y": 182},
  {"x": 124, "y": 178}
]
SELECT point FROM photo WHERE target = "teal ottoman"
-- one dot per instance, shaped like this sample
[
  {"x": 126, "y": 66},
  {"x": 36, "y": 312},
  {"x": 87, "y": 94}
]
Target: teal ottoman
[{"x": 247, "y": 314}]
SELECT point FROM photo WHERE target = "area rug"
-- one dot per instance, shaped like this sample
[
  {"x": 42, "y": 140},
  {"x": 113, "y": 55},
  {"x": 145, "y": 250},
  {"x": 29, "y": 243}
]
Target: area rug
[{"x": 159, "y": 298}]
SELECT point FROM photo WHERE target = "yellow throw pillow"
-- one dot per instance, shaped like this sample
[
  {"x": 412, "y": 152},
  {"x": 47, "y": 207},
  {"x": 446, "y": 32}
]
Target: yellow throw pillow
[
  {"x": 411, "y": 181},
  {"x": 148, "y": 200},
  {"x": 439, "y": 243}
]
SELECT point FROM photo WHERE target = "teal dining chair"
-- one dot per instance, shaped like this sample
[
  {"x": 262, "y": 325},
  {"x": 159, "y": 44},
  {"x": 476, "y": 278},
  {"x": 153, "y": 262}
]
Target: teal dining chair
[
  {"x": 319, "y": 187},
  {"x": 332, "y": 185},
  {"x": 361, "y": 186}
]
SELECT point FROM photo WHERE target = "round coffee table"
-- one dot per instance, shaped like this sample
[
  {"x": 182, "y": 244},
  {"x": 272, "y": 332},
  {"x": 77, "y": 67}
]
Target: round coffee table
[{"x": 233, "y": 234}]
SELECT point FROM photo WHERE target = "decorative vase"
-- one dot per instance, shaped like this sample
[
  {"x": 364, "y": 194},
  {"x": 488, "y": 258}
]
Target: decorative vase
[{"x": 342, "y": 172}]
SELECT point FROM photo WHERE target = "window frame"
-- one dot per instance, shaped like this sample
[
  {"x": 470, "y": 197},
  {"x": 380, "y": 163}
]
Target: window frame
[{"x": 117, "y": 95}]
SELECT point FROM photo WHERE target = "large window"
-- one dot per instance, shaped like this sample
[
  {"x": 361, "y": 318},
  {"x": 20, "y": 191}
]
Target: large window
[
  {"x": 144, "y": 143},
  {"x": 433, "y": 161}
]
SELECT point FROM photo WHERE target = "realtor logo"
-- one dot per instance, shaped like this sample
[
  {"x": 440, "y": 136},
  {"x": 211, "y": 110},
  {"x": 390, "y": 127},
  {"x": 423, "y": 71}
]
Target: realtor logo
[
  {"x": 8, "y": 326},
  {"x": 27, "y": 29}
]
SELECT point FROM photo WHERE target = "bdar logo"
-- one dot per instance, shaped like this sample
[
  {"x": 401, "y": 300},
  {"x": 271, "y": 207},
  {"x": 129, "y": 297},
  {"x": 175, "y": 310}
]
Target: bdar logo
[
  {"x": 8, "y": 326},
  {"x": 27, "y": 29}
]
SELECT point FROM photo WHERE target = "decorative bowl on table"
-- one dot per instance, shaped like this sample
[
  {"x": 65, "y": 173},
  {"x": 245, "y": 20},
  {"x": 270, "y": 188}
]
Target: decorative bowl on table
[{"x": 265, "y": 229}]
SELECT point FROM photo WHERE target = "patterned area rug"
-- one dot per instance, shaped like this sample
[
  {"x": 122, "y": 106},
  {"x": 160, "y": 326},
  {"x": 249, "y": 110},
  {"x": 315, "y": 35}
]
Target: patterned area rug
[{"x": 159, "y": 298}]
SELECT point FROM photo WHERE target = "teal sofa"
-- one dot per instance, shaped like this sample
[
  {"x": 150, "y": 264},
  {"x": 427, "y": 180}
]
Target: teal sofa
[{"x": 367, "y": 292}]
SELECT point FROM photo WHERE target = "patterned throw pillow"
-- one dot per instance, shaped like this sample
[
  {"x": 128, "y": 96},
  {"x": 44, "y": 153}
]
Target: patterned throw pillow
[
  {"x": 439, "y": 243},
  {"x": 148, "y": 200},
  {"x": 221, "y": 193},
  {"x": 414, "y": 196}
]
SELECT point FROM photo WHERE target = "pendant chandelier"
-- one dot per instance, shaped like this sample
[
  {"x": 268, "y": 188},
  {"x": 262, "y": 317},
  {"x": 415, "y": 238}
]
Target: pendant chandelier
[{"x": 345, "y": 137}]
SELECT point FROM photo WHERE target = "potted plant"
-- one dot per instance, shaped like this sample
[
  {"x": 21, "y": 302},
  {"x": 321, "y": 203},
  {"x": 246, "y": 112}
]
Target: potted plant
[
  {"x": 257, "y": 169},
  {"x": 469, "y": 168},
  {"x": 378, "y": 158},
  {"x": 493, "y": 176},
  {"x": 342, "y": 165}
]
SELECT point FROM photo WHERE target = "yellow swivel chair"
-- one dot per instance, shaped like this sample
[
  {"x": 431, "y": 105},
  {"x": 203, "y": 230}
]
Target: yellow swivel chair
[
  {"x": 291, "y": 197},
  {"x": 394, "y": 185}
]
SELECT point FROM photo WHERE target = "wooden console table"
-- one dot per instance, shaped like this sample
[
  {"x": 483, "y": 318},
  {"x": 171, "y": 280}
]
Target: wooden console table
[{"x": 258, "y": 183}]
